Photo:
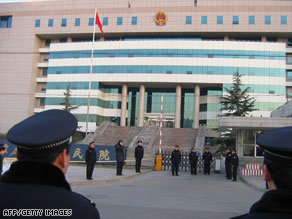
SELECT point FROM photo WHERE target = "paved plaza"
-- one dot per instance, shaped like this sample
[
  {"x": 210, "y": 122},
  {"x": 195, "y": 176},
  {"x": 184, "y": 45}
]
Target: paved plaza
[{"x": 161, "y": 195}]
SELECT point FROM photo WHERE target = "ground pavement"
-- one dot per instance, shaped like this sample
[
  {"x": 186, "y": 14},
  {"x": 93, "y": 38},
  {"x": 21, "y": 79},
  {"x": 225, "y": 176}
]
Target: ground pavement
[{"x": 161, "y": 195}]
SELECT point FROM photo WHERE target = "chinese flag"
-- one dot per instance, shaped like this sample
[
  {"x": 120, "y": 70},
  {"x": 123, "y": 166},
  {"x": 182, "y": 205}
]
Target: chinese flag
[{"x": 97, "y": 21}]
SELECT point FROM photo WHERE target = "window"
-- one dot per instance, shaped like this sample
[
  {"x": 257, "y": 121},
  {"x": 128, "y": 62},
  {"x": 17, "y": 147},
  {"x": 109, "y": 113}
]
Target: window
[
  {"x": 63, "y": 40},
  {"x": 37, "y": 23},
  {"x": 250, "y": 19},
  {"x": 271, "y": 92},
  {"x": 51, "y": 22},
  {"x": 219, "y": 19},
  {"x": 235, "y": 20},
  {"x": 134, "y": 20},
  {"x": 43, "y": 89},
  {"x": 189, "y": 72},
  {"x": 5, "y": 21},
  {"x": 42, "y": 101},
  {"x": 267, "y": 19},
  {"x": 47, "y": 42},
  {"x": 188, "y": 19},
  {"x": 204, "y": 20},
  {"x": 289, "y": 75},
  {"x": 105, "y": 21},
  {"x": 45, "y": 71},
  {"x": 64, "y": 22},
  {"x": 168, "y": 72},
  {"x": 91, "y": 21},
  {"x": 119, "y": 20},
  {"x": 77, "y": 22},
  {"x": 283, "y": 19}
]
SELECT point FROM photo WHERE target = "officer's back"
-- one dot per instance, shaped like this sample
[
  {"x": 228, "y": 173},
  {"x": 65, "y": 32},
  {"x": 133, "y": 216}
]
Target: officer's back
[{"x": 35, "y": 185}]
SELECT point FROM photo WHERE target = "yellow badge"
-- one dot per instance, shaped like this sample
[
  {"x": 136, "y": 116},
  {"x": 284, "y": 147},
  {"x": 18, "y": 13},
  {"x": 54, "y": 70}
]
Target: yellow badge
[{"x": 160, "y": 18}]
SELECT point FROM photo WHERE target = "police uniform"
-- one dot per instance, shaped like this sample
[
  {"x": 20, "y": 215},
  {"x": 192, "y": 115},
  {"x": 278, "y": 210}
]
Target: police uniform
[
  {"x": 120, "y": 157},
  {"x": 37, "y": 185},
  {"x": 207, "y": 158},
  {"x": 235, "y": 163},
  {"x": 276, "y": 203},
  {"x": 175, "y": 161},
  {"x": 139, "y": 154},
  {"x": 228, "y": 164},
  {"x": 90, "y": 158},
  {"x": 193, "y": 159}
]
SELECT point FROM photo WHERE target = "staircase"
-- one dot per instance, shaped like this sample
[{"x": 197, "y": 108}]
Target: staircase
[{"x": 147, "y": 135}]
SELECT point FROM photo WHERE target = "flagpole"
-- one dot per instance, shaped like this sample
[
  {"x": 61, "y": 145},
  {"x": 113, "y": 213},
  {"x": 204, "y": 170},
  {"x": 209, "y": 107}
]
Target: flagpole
[{"x": 90, "y": 74}]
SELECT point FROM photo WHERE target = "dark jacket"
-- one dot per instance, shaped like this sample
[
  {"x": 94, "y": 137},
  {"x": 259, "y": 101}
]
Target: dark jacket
[
  {"x": 207, "y": 157},
  {"x": 32, "y": 185},
  {"x": 120, "y": 156},
  {"x": 90, "y": 155},
  {"x": 139, "y": 152},
  {"x": 175, "y": 157},
  {"x": 228, "y": 158},
  {"x": 193, "y": 158},
  {"x": 235, "y": 160},
  {"x": 274, "y": 204},
  {"x": 1, "y": 164}
]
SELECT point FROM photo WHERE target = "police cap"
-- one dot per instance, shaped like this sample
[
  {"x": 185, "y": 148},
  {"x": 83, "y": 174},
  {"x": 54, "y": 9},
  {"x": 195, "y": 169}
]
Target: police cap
[
  {"x": 277, "y": 146},
  {"x": 46, "y": 131}
]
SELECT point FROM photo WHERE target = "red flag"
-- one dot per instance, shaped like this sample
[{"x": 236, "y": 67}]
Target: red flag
[{"x": 97, "y": 21}]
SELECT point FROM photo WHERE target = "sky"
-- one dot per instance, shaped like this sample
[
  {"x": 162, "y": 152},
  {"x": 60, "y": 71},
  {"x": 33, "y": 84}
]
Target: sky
[{"x": 5, "y": 1}]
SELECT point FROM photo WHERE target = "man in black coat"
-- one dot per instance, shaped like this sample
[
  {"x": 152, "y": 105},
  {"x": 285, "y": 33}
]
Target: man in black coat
[
  {"x": 235, "y": 163},
  {"x": 90, "y": 158},
  {"x": 120, "y": 157},
  {"x": 207, "y": 158},
  {"x": 139, "y": 153},
  {"x": 36, "y": 182},
  {"x": 277, "y": 201},
  {"x": 2, "y": 152},
  {"x": 175, "y": 160},
  {"x": 193, "y": 158},
  {"x": 228, "y": 163}
]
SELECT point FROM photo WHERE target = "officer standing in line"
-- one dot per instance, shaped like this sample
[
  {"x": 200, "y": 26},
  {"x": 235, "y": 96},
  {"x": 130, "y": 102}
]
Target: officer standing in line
[
  {"x": 228, "y": 163},
  {"x": 235, "y": 163},
  {"x": 139, "y": 153},
  {"x": 175, "y": 160},
  {"x": 120, "y": 157},
  {"x": 90, "y": 158},
  {"x": 2, "y": 152},
  {"x": 207, "y": 158},
  {"x": 277, "y": 201},
  {"x": 193, "y": 158},
  {"x": 36, "y": 180}
]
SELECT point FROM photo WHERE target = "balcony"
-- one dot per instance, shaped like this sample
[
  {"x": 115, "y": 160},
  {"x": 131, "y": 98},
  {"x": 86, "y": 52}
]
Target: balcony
[
  {"x": 44, "y": 50},
  {"x": 41, "y": 80},
  {"x": 43, "y": 64},
  {"x": 40, "y": 95},
  {"x": 39, "y": 109}
]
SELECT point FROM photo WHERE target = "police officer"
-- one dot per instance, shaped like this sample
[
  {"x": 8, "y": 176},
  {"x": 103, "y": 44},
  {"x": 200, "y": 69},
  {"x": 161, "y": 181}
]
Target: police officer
[
  {"x": 193, "y": 158},
  {"x": 175, "y": 160},
  {"x": 235, "y": 163},
  {"x": 228, "y": 164},
  {"x": 120, "y": 157},
  {"x": 2, "y": 152},
  {"x": 90, "y": 158},
  {"x": 139, "y": 153},
  {"x": 277, "y": 201},
  {"x": 207, "y": 158},
  {"x": 37, "y": 180}
]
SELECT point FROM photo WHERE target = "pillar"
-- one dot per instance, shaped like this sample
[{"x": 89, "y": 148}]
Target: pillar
[
  {"x": 197, "y": 107},
  {"x": 141, "y": 106},
  {"x": 264, "y": 39},
  {"x": 124, "y": 105},
  {"x": 69, "y": 39},
  {"x": 178, "y": 106},
  {"x": 226, "y": 38}
]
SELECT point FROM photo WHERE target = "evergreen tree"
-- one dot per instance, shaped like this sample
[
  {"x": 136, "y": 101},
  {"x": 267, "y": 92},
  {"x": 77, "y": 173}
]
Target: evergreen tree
[
  {"x": 66, "y": 101},
  {"x": 237, "y": 102}
]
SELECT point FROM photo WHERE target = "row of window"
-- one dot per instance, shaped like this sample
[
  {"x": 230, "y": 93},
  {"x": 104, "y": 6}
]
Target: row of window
[
  {"x": 235, "y": 20},
  {"x": 5, "y": 21},
  {"x": 134, "y": 21}
]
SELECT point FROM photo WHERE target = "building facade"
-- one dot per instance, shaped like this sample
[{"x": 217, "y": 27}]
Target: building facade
[{"x": 186, "y": 51}]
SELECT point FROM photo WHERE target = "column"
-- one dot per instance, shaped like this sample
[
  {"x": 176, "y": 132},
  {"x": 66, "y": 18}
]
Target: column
[
  {"x": 264, "y": 39},
  {"x": 124, "y": 105},
  {"x": 197, "y": 107},
  {"x": 226, "y": 38},
  {"x": 141, "y": 106},
  {"x": 178, "y": 106},
  {"x": 69, "y": 39}
]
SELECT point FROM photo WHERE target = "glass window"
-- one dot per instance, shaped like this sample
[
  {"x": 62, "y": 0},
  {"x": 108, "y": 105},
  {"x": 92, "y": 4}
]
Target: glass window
[
  {"x": 37, "y": 23},
  {"x": 105, "y": 21},
  {"x": 283, "y": 19},
  {"x": 5, "y": 21},
  {"x": 47, "y": 42},
  {"x": 51, "y": 22},
  {"x": 45, "y": 71},
  {"x": 188, "y": 19},
  {"x": 42, "y": 101},
  {"x": 204, "y": 20},
  {"x": 250, "y": 19},
  {"x": 119, "y": 20},
  {"x": 219, "y": 19},
  {"x": 90, "y": 21},
  {"x": 63, "y": 40},
  {"x": 289, "y": 75},
  {"x": 267, "y": 19},
  {"x": 64, "y": 22},
  {"x": 77, "y": 22},
  {"x": 134, "y": 20},
  {"x": 235, "y": 20}
]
